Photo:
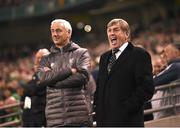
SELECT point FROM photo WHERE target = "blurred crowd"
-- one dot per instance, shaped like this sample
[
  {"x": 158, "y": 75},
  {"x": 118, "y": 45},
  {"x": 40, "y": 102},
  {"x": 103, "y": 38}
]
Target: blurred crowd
[
  {"x": 7, "y": 3},
  {"x": 16, "y": 64},
  {"x": 17, "y": 3},
  {"x": 16, "y": 70}
]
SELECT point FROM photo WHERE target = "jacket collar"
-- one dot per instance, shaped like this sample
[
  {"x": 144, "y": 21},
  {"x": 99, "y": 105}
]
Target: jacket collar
[
  {"x": 71, "y": 46},
  {"x": 177, "y": 60}
]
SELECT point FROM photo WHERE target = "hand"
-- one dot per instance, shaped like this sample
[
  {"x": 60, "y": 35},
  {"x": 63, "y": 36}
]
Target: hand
[{"x": 73, "y": 70}]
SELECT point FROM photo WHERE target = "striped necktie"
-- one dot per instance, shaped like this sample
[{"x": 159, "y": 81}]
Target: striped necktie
[{"x": 112, "y": 59}]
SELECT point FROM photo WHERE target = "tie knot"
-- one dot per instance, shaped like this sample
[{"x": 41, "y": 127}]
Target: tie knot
[{"x": 115, "y": 50}]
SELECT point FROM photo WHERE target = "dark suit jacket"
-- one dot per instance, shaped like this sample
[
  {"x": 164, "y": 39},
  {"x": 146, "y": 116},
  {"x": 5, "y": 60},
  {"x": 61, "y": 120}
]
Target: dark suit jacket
[
  {"x": 120, "y": 95},
  {"x": 34, "y": 117}
]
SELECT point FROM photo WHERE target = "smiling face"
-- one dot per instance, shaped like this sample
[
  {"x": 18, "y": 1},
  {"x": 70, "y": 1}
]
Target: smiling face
[
  {"x": 60, "y": 34},
  {"x": 118, "y": 33}
]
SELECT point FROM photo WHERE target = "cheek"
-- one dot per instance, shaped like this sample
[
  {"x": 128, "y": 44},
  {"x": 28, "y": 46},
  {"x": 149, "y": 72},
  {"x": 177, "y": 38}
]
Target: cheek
[
  {"x": 168, "y": 54},
  {"x": 122, "y": 37},
  {"x": 68, "y": 37},
  {"x": 53, "y": 37},
  {"x": 109, "y": 39}
]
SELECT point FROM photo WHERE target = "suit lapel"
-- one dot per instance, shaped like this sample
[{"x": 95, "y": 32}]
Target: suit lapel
[{"x": 124, "y": 56}]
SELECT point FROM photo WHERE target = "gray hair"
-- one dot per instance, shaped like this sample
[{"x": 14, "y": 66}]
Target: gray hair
[{"x": 66, "y": 24}]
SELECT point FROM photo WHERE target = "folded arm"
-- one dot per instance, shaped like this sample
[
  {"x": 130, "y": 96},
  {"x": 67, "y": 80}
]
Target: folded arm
[
  {"x": 48, "y": 76},
  {"x": 80, "y": 78}
]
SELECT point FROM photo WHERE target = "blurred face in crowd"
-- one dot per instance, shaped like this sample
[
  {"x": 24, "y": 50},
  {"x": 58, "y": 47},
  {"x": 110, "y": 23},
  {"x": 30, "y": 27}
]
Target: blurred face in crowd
[
  {"x": 2, "y": 83},
  {"x": 158, "y": 64},
  {"x": 171, "y": 52},
  {"x": 60, "y": 34},
  {"x": 163, "y": 57},
  {"x": 118, "y": 33},
  {"x": 7, "y": 93},
  {"x": 40, "y": 53}
]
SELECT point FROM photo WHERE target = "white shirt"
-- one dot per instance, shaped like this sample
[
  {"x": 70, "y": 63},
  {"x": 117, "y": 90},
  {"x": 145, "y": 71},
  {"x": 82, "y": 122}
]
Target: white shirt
[{"x": 121, "y": 49}]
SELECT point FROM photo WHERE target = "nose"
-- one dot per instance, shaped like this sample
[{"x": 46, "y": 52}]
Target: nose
[
  {"x": 54, "y": 33},
  {"x": 111, "y": 32}
]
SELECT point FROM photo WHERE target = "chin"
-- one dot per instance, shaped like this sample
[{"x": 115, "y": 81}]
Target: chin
[
  {"x": 114, "y": 47},
  {"x": 56, "y": 43}
]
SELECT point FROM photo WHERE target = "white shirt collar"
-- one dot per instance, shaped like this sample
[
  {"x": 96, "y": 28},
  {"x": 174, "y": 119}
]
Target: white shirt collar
[{"x": 121, "y": 49}]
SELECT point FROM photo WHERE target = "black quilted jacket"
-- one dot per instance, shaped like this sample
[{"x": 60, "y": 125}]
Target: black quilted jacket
[{"x": 67, "y": 99}]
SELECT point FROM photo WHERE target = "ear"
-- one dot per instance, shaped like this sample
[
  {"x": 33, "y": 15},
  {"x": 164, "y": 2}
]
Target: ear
[
  {"x": 127, "y": 34},
  {"x": 69, "y": 31}
]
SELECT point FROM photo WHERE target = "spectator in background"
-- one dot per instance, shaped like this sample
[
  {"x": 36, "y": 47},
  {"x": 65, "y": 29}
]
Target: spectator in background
[
  {"x": 159, "y": 64},
  {"x": 65, "y": 72},
  {"x": 9, "y": 100},
  {"x": 124, "y": 84},
  {"x": 35, "y": 98},
  {"x": 171, "y": 73},
  {"x": 95, "y": 68}
]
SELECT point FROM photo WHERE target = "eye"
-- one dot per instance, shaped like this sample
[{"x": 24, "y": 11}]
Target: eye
[
  {"x": 116, "y": 29},
  {"x": 52, "y": 30}
]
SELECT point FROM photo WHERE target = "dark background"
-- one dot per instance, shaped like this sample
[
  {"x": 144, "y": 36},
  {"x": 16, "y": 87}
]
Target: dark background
[{"x": 22, "y": 25}]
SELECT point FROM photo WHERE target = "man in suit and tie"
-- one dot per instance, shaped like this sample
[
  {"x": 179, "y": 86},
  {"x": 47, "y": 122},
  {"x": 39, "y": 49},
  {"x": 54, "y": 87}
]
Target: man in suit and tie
[{"x": 125, "y": 80}]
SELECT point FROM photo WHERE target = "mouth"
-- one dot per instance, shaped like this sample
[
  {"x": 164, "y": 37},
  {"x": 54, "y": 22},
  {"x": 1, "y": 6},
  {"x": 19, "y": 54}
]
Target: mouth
[
  {"x": 113, "y": 41},
  {"x": 55, "y": 38}
]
